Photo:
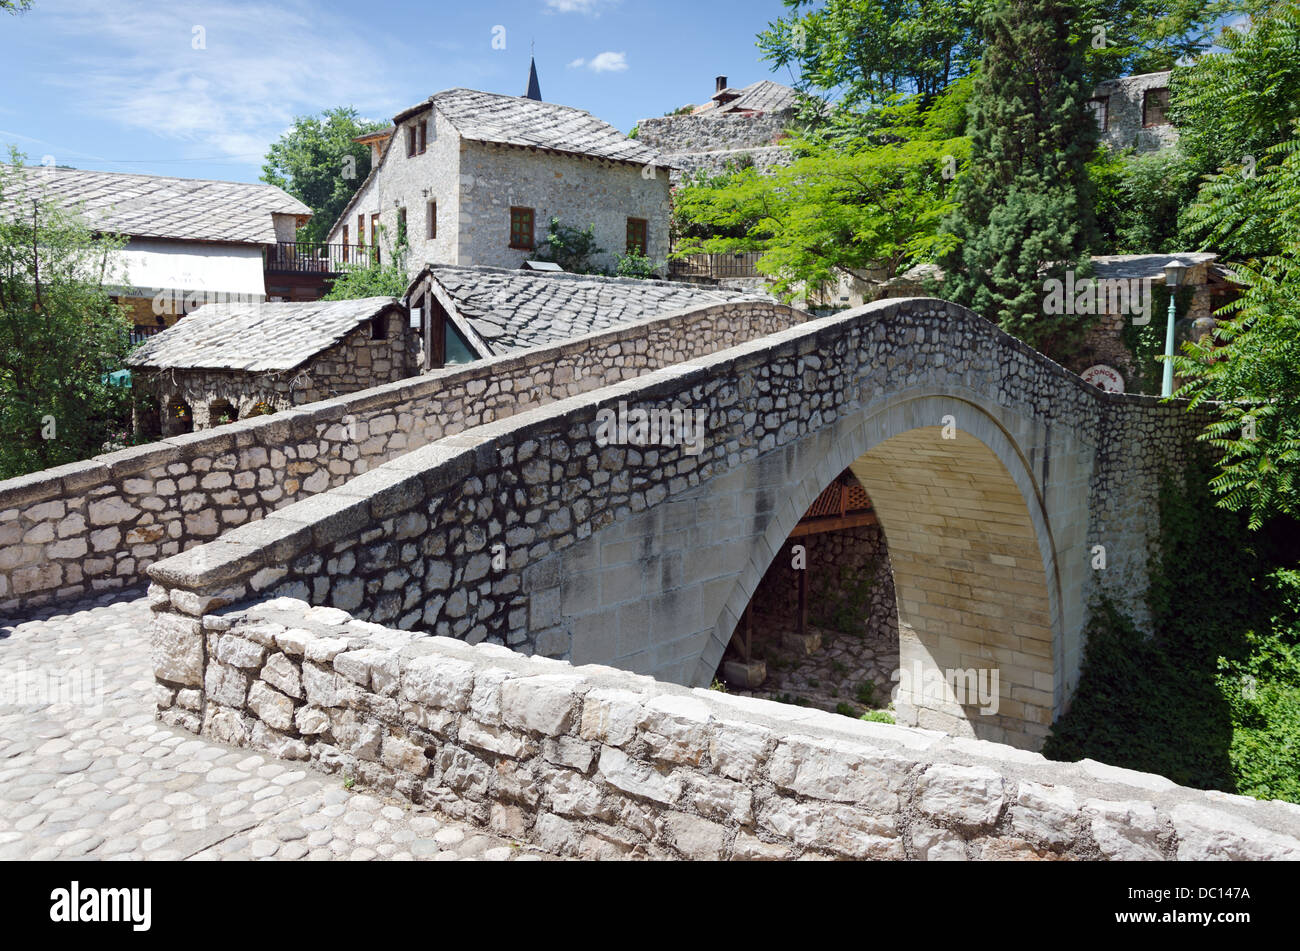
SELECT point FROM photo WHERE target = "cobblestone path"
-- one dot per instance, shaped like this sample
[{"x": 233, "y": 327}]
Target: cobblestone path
[{"x": 87, "y": 772}]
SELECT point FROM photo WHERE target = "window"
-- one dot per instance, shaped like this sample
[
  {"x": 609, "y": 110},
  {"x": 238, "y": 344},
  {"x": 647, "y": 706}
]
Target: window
[
  {"x": 431, "y": 220},
  {"x": 1155, "y": 104},
  {"x": 416, "y": 138},
  {"x": 361, "y": 230},
  {"x": 521, "y": 229},
  {"x": 379, "y": 328},
  {"x": 1101, "y": 112},
  {"x": 401, "y": 226},
  {"x": 636, "y": 235},
  {"x": 345, "y": 242},
  {"x": 374, "y": 230}
]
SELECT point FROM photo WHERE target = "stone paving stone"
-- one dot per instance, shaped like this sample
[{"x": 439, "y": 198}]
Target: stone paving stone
[{"x": 102, "y": 779}]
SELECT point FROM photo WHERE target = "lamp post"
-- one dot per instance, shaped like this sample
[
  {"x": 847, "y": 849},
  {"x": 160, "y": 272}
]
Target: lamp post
[{"x": 1174, "y": 272}]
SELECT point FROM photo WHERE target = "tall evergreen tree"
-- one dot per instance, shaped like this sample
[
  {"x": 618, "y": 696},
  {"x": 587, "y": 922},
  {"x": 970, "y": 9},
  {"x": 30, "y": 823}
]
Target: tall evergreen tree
[{"x": 1026, "y": 201}]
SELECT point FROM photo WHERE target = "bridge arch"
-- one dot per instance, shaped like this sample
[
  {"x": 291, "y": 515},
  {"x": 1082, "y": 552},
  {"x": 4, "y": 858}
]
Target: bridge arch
[{"x": 974, "y": 560}]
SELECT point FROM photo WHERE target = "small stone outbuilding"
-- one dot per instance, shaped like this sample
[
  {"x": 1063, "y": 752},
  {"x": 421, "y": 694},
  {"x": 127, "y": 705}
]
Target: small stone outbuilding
[{"x": 230, "y": 361}]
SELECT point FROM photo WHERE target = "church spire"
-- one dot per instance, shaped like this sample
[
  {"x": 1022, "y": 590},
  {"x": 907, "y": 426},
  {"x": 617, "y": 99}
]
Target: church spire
[{"x": 534, "y": 87}]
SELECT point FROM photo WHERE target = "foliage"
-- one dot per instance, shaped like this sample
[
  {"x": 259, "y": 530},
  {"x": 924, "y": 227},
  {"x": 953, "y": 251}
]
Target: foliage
[
  {"x": 1263, "y": 693},
  {"x": 866, "y": 694},
  {"x": 868, "y": 52},
  {"x": 60, "y": 335},
  {"x": 1254, "y": 375},
  {"x": 877, "y": 716},
  {"x": 376, "y": 278},
  {"x": 1153, "y": 703},
  {"x": 570, "y": 248},
  {"x": 634, "y": 264},
  {"x": 1026, "y": 201},
  {"x": 1138, "y": 200},
  {"x": 1241, "y": 102},
  {"x": 15, "y": 6},
  {"x": 847, "y": 203},
  {"x": 318, "y": 163}
]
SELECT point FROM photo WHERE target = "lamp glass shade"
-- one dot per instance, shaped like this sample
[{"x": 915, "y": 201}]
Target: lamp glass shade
[{"x": 1174, "y": 272}]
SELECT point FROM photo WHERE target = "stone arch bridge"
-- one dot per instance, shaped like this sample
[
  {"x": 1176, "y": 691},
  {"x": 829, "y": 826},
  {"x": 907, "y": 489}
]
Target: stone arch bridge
[{"x": 995, "y": 473}]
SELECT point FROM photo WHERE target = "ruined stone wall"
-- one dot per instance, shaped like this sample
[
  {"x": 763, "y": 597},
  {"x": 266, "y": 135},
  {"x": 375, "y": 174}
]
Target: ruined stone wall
[
  {"x": 600, "y": 763},
  {"x": 711, "y": 133},
  {"x": 96, "y": 525}
]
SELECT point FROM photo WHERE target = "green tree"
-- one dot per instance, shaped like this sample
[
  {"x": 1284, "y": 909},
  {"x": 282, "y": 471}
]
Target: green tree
[
  {"x": 318, "y": 163},
  {"x": 1138, "y": 200},
  {"x": 849, "y": 203},
  {"x": 1026, "y": 201},
  {"x": 1233, "y": 111},
  {"x": 15, "y": 6},
  {"x": 868, "y": 52},
  {"x": 60, "y": 333}
]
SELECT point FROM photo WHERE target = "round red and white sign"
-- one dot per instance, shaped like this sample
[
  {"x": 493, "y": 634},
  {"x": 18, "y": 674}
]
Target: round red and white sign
[{"x": 1105, "y": 378}]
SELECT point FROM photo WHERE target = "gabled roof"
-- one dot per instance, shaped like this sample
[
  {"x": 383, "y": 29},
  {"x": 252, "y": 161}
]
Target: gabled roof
[
  {"x": 257, "y": 337},
  {"x": 1112, "y": 267},
  {"x": 152, "y": 206},
  {"x": 514, "y": 310},
  {"x": 763, "y": 96},
  {"x": 514, "y": 120}
]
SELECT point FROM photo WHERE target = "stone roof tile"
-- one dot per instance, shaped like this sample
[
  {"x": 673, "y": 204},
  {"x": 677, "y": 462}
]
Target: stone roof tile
[
  {"x": 256, "y": 337},
  {"x": 515, "y": 310},
  {"x": 151, "y": 206}
]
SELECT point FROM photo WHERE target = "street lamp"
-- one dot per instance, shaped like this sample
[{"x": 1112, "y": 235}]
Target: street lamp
[{"x": 1174, "y": 272}]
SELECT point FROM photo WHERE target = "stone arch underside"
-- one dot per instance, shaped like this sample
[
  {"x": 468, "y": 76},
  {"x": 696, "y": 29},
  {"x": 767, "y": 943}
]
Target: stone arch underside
[{"x": 976, "y": 528}]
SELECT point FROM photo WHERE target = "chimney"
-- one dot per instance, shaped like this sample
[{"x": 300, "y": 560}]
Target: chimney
[{"x": 721, "y": 84}]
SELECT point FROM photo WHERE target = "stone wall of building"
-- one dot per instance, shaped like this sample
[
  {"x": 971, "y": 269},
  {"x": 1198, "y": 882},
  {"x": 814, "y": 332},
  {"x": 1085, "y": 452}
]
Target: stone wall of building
[
  {"x": 357, "y": 362},
  {"x": 711, "y": 133},
  {"x": 720, "y": 162},
  {"x": 600, "y": 763},
  {"x": 578, "y": 191},
  {"x": 411, "y": 182},
  {"x": 1124, "y": 98},
  {"x": 96, "y": 525}
]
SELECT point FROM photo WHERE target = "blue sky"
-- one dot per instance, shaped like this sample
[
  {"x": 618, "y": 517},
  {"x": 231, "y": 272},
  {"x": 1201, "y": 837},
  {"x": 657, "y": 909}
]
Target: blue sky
[{"x": 118, "y": 85}]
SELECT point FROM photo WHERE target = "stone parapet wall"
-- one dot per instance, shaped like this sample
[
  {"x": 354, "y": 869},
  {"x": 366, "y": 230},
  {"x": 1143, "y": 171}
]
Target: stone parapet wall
[
  {"x": 527, "y": 533},
  {"x": 96, "y": 525},
  {"x": 600, "y": 763}
]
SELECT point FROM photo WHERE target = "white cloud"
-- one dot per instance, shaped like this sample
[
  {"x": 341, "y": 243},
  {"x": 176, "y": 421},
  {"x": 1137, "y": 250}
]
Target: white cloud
[
  {"x": 608, "y": 63},
  {"x": 578, "y": 63},
  {"x": 590, "y": 7},
  {"x": 263, "y": 64}
]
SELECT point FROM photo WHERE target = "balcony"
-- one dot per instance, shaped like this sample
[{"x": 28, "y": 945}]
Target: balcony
[
  {"x": 714, "y": 267},
  {"x": 326, "y": 260}
]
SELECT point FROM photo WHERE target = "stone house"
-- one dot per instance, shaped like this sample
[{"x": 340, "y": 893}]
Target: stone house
[
  {"x": 735, "y": 126},
  {"x": 470, "y": 313},
  {"x": 229, "y": 361},
  {"x": 189, "y": 241},
  {"x": 474, "y": 178},
  {"x": 1132, "y": 112}
]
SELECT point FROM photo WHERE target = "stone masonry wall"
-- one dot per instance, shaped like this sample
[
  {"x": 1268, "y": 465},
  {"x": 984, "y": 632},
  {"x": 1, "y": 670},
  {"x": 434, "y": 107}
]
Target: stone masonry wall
[
  {"x": 354, "y": 363},
  {"x": 600, "y": 763},
  {"x": 580, "y": 192},
  {"x": 525, "y": 533},
  {"x": 711, "y": 133},
  {"x": 96, "y": 525}
]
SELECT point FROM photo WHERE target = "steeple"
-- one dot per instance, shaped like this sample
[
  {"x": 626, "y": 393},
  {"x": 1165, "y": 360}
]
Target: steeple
[{"x": 534, "y": 87}]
